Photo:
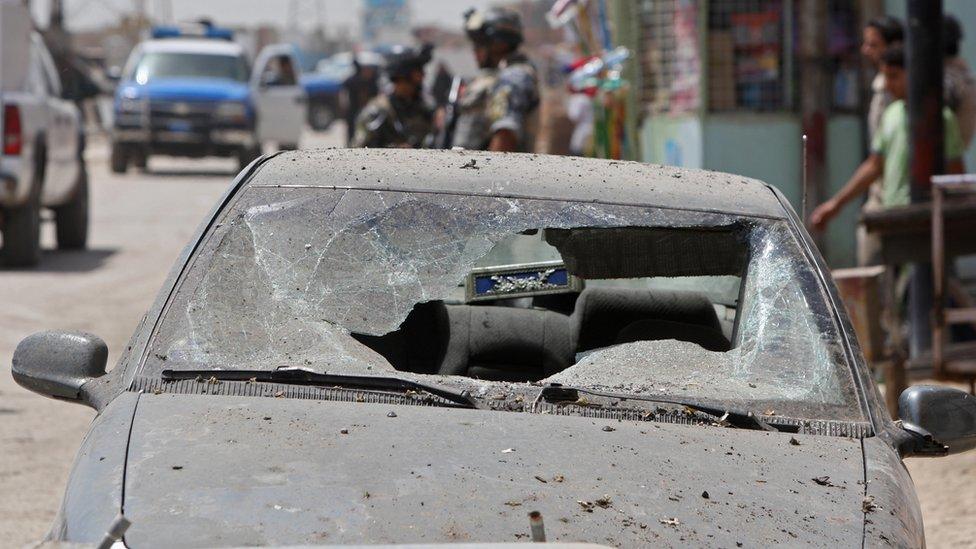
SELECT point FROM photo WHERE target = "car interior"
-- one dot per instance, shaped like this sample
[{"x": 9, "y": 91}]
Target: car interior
[{"x": 628, "y": 290}]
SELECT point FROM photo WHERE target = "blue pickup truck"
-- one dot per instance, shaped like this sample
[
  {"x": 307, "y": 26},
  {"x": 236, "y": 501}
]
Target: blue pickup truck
[{"x": 195, "y": 94}]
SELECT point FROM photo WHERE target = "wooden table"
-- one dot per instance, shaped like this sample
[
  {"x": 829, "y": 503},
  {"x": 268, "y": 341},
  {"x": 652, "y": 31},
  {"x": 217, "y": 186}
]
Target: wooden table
[{"x": 907, "y": 236}]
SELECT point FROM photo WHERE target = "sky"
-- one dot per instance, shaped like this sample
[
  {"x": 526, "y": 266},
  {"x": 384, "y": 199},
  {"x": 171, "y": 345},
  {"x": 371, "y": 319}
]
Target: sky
[{"x": 89, "y": 14}]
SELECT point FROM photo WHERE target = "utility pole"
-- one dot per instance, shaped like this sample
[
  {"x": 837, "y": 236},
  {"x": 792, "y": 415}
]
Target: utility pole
[
  {"x": 927, "y": 146},
  {"x": 164, "y": 11},
  {"x": 925, "y": 100}
]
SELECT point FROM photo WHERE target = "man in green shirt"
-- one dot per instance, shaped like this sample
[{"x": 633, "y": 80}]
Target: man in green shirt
[{"x": 890, "y": 149}]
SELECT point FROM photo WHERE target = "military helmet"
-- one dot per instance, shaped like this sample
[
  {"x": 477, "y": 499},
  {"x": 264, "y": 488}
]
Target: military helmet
[
  {"x": 402, "y": 60},
  {"x": 493, "y": 24}
]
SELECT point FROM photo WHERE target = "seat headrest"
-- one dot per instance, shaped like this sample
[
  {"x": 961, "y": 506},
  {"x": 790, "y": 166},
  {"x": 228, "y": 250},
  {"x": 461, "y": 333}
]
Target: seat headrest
[
  {"x": 507, "y": 343},
  {"x": 601, "y": 313}
]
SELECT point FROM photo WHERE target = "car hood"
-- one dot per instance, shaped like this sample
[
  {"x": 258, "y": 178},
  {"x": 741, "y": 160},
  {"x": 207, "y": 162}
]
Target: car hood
[
  {"x": 187, "y": 89},
  {"x": 207, "y": 470}
]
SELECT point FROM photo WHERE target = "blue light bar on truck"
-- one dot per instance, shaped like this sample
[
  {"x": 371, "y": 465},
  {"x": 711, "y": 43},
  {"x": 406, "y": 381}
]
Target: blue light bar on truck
[{"x": 194, "y": 30}]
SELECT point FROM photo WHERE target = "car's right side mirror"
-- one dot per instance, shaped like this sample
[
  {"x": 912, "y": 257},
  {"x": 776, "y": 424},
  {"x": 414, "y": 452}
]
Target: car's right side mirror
[
  {"x": 941, "y": 419},
  {"x": 59, "y": 364}
]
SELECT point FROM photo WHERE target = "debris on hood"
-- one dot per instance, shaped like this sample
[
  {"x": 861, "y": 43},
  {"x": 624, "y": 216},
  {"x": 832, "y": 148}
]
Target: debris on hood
[
  {"x": 825, "y": 481},
  {"x": 604, "y": 502},
  {"x": 868, "y": 505}
]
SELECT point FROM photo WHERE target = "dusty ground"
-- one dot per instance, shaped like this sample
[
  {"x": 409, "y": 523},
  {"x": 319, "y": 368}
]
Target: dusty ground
[{"x": 140, "y": 223}]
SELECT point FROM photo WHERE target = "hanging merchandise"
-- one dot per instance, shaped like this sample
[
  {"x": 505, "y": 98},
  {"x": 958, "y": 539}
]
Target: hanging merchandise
[
  {"x": 564, "y": 11},
  {"x": 604, "y": 75},
  {"x": 597, "y": 75}
]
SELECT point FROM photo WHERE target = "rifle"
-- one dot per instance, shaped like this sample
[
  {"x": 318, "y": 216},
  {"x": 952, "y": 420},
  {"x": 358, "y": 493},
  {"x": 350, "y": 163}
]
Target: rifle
[{"x": 446, "y": 134}]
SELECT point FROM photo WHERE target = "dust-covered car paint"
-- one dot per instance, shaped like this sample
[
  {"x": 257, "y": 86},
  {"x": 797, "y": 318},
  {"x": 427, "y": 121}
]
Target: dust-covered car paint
[{"x": 225, "y": 463}]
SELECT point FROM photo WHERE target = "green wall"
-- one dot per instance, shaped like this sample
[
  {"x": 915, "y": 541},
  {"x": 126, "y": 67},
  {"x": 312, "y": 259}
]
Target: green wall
[
  {"x": 670, "y": 140},
  {"x": 843, "y": 157},
  {"x": 766, "y": 147}
]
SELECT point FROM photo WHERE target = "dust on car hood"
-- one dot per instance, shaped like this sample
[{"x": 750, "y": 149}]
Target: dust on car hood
[{"x": 220, "y": 470}]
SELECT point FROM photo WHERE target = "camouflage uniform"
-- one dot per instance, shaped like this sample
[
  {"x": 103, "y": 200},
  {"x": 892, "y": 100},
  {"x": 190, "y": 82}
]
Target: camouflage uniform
[
  {"x": 389, "y": 121},
  {"x": 506, "y": 98}
]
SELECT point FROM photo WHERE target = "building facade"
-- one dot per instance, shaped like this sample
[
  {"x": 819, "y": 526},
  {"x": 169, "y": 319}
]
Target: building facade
[{"x": 733, "y": 85}]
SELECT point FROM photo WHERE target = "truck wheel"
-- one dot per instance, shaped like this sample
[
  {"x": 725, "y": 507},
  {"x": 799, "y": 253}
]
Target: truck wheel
[
  {"x": 246, "y": 156},
  {"x": 320, "y": 117},
  {"x": 71, "y": 219},
  {"x": 120, "y": 158},
  {"x": 140, "y": 159},
  {"x": 22, "y": 231}
]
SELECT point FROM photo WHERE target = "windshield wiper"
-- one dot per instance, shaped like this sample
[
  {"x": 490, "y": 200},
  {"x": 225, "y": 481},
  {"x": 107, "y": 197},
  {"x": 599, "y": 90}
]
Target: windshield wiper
[
  {"x": 555, "y": 392},
  {"x": 303, "y": 376}
]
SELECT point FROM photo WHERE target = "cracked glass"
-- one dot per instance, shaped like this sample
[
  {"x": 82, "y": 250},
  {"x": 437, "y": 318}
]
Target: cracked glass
[{"x": 330, "y": 278}]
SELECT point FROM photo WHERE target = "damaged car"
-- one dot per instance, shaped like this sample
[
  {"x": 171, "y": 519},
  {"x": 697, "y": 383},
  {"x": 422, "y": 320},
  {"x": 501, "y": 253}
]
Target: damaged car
[{"x": 422, "y": 347}]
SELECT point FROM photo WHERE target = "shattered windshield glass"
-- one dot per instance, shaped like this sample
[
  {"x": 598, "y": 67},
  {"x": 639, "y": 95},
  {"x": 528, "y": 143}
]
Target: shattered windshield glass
[{"x": 500, "y": 290}]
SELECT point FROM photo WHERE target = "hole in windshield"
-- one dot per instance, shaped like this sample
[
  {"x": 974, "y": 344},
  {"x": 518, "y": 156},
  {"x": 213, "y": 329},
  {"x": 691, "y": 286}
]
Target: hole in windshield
[{"x": 540, "y": 301}]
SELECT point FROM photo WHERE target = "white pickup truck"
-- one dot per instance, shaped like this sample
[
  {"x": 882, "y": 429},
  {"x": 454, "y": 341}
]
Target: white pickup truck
[{"x": 42, "y": 165}]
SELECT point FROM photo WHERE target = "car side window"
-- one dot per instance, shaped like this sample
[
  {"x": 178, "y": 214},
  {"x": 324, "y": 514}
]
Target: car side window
[
  {"x": 49, "y": 73},
  {"x": 37, "y": 83},
  {"x": 279, "y": 71}
]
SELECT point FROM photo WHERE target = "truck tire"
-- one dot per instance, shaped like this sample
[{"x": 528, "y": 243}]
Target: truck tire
[
  {"x": 120, "y": 158},
  {"x": 71, "y": 219},
  {"x": 22, "y": 229},
  {"x": 246, "y": 156},
  {"x": 140, "y": 159},
  {"x": 321, "y": 116}
]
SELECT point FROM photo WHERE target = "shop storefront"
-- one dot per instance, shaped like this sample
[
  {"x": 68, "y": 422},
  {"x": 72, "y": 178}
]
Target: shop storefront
[{"x": 732, "y": 85}]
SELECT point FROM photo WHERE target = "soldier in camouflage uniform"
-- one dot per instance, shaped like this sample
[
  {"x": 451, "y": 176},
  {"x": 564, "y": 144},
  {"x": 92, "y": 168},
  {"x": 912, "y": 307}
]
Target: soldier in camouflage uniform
[
  {"x": 400, "y": 118},
  {"x": 498, "y": 110}
]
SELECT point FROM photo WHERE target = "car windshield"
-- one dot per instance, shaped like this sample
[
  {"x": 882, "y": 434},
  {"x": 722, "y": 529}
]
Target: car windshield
[
  {"x": 499, "y": 292},
  {"x": 156, "y": 65}
]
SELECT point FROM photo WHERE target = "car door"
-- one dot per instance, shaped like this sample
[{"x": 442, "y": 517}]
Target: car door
[
  {"x": 63, "y": 130},
  {"x": 278, "y": 96}
]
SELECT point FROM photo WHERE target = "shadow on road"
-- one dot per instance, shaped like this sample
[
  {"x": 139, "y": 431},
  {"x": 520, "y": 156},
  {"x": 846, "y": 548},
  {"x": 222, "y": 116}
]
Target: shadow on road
[
  {"x": 191, "y": 173},
  {"x": 79, "y": 261}
]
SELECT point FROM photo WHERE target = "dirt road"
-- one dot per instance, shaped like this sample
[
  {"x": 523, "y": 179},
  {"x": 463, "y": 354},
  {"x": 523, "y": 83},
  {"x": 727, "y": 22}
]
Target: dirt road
[{"x": 140, "y": 223}]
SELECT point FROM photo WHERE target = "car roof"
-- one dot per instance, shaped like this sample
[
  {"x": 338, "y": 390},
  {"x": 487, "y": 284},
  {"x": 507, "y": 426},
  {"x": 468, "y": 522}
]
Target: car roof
[
  {"x": 193, "y": 45},
  {"x": 522, "y": 176}
]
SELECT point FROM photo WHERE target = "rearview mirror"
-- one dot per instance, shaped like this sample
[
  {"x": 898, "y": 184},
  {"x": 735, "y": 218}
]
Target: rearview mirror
[
  {"x": 59, "y": 364},
  {"x": 942, "y": 419}
]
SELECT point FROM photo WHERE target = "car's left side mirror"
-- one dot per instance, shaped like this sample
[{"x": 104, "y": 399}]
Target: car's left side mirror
[
  {"x": 59, "y": 364},
  {"x": 942, "y": 420},
  {"x": 114, "y": 74}
]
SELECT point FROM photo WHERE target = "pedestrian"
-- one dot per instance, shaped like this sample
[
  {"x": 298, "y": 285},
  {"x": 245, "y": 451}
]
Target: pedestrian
[
  {"x": 498, "y": 110},
  {"x": 359, "y": 89},
  {"x": 888, "y": 160},
  {"x": 879, "y": 34},
  {"x": 400, "y": 118},
  {"x": 960, "y": 85}
]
